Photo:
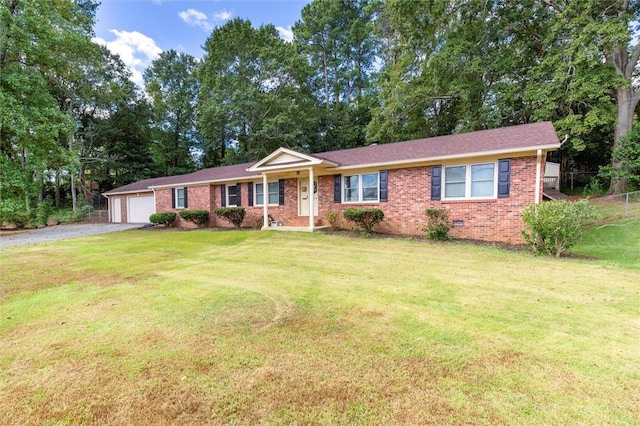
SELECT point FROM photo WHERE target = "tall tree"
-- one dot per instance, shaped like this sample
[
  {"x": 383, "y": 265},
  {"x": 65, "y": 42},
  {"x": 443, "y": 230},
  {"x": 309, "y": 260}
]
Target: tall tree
[
  {"x": 172, "y": 84},
  {"x": 253, "y": 99},
  {"x": 594, "y": 60},
  {"x": 43, "y": 49},
  {"x": 456, "y": 66},
  {"x": 337, "y": 39}
]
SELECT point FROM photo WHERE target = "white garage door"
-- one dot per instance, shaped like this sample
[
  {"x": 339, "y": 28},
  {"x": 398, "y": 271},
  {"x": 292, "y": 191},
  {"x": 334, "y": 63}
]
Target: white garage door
[{"x": 140, "y": 208}]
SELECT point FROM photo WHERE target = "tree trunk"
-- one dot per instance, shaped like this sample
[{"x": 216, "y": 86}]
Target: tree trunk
[
  {"x": 625, "y": 105},
  {"x": 57, "y": 191}
]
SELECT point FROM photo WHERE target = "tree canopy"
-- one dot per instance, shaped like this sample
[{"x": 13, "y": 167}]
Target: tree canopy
[{"x": 356, "y": 72}]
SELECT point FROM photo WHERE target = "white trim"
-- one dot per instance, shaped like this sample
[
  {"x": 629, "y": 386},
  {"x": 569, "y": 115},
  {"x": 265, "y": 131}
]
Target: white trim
[
  {"x": 305, "y": 161},
  {"x": 468, "y": 181},
  {"x": 265, "y": 206},
  {"x": 226, "y": 194},
  {"x": 343, "y": 196},
  {"x": 255, "y": 193},
  {"x": 175, "y": 197},
  {"x": 312, "y": 194},
  {"x": 538, "y": 168}
]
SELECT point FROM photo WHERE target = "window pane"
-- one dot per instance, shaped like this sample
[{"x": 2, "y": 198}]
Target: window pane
[
  {"x": 351, "y": 181},
  {"x": 454, "y": 190},
  {"x": 274, "y": 192},
  {"x": 351, "y": 195},
  {"x": 370, "y": 187},
  {"x": 370, "y": 194},
  {"x": 370, "y": 180},
  {"x": 232, "y": 199},
  {"x": 259, "y": 194},
  {"x": 482, "y": 189},
  {"x": 482, "y": 176},
  {"x": 455, "y": 174},
  {"x": 180, "y": 197},
  {"x": 482, "y": 172},
  {"x": 351, "y": 188},
  {"x": 454, "y": 178}
]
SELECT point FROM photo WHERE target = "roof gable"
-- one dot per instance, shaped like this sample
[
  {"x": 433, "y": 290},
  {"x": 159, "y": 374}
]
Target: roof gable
[{"x": 284, "y": 158}]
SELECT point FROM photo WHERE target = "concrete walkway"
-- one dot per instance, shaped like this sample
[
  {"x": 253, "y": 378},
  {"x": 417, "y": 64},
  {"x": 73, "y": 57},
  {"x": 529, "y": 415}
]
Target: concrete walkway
[{"x": 62, "y": 232}]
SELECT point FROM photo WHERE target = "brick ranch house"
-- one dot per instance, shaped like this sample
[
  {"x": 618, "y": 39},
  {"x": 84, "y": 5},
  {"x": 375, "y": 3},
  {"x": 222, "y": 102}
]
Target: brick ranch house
[{"x": 484, "y": 179}]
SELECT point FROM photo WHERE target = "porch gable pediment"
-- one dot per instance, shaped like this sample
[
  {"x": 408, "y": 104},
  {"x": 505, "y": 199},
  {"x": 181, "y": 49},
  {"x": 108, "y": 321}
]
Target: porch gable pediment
[{"x": 284, "y": 159}]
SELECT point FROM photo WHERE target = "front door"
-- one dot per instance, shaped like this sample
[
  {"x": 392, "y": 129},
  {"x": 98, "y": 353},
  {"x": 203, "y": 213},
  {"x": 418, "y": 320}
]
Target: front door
[{"x": 303, "y": 197}]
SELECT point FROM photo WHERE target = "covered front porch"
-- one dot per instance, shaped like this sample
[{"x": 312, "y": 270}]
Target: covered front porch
[{"x": 304, "y": 170}]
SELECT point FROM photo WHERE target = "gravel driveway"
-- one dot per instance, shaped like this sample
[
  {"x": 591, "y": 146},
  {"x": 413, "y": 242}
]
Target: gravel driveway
[{"x": 61, "y": 232}]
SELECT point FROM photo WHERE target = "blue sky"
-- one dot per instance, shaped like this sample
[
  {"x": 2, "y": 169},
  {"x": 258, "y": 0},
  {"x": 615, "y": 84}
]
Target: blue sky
[{"x": 139, "y": 30}]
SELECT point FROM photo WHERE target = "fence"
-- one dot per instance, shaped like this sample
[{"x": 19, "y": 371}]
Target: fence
[
  {"x": 97, "y": 216},
  {"x": 618, "y": 206}
]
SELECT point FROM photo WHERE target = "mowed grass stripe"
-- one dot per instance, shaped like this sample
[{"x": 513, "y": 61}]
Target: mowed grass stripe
[{"x": 246, "y": 327}]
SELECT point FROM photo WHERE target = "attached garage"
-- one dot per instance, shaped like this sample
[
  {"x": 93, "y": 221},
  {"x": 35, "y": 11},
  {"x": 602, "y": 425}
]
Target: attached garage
[{"x": 140, "y": 207}]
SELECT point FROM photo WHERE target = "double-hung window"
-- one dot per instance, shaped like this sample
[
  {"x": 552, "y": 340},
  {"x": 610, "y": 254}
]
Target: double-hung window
[
  {"x": 273, "y": 194},
  {"x": 232, "y": 195},
  {"x": 361, "y": 188},
  {"x": 470, "y": 181},
  {"x": 180, "y": 198}
]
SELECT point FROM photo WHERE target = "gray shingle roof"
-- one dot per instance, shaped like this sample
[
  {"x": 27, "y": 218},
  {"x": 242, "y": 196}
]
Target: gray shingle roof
[{"x": 507, "y": 139}]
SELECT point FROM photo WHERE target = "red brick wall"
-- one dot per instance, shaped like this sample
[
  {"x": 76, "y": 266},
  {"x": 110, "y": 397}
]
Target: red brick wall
[
  {"x": 409, "y": 195},
  {"x": 198, "y": 198},
  {"x": 286, "y": 214}
]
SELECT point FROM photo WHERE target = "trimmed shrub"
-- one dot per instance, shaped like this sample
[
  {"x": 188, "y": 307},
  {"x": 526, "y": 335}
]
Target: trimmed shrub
[
  {"x": 234, "y": 215},
  {"x": 333, "y": 217},
  {"x": 365, "y": 219},
  {"x": 556, "y": 226},
  {"x": 166, "y": 218},
  {"x": 438, "y": 225},
  {"x": 199, "y": 217}
]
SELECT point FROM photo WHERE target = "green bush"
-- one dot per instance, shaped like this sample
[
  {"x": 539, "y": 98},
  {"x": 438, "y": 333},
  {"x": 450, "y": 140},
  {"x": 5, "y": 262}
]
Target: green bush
[
  {"x": 199, "y": 217},
  {"x": 556, "y": 226},
  {"x": 365, "y": 219},
  {"x": 438, "y": 225},
  {"x": 234, "y": 215},
  {"x": 62, "y": 216},
  {"x": 12, "y": 212},
  {"x": 43, "y": 211},
  {"x": 165, "y": 218}
]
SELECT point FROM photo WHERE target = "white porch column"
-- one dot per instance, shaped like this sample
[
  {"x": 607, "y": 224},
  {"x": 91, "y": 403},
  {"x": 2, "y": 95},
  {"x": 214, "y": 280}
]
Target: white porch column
[
  {"x": 311, "y": 196},
  {"x": 538, "y": 170},
  {"x": 265, "y": 201}
]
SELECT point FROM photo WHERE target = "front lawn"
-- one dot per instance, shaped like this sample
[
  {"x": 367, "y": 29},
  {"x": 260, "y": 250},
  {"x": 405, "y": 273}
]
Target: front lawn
[{"x": 248, "y": 327}]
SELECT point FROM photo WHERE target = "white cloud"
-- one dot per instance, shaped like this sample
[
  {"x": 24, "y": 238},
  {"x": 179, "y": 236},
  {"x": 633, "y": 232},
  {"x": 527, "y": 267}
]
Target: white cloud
[
  {"x": 135, "y": 49},
  {"x": 285, "y": 33},
  {"x": 196, "y": 18},
  {"x": 223, "y": 15}
]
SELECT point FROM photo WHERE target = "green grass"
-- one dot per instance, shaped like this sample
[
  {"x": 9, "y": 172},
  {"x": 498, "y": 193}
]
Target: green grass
[
  {"x": 247, "y": 327},
  {"x": 615, "y": 237}
]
